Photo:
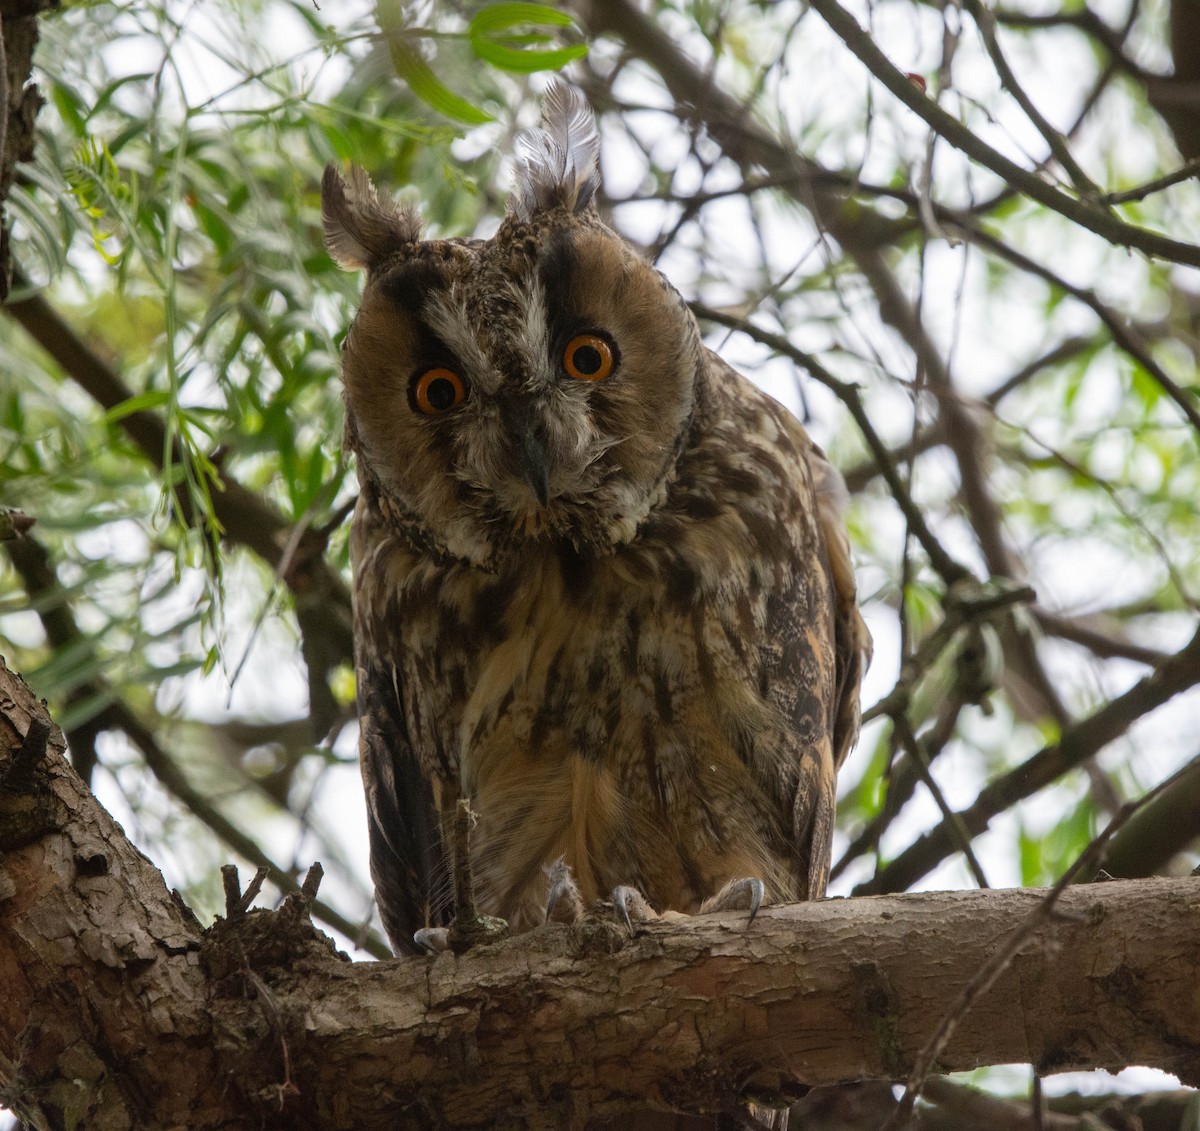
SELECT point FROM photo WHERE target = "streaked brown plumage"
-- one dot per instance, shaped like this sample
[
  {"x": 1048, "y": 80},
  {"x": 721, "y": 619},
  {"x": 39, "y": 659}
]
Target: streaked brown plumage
[{"x": 615, "y": 611}]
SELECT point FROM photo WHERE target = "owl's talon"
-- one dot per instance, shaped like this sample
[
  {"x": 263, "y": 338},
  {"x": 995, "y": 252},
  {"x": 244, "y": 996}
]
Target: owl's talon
[
  {"x": 746, "y": 894},
  {"x": 433, "y": 940},
  {"x": 631, "y": 905},
  {"x": 564, "y": 904}
]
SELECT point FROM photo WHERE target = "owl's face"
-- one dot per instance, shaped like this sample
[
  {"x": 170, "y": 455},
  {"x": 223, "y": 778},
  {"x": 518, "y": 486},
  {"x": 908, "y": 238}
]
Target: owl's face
[{"x": 537, "y": 385}]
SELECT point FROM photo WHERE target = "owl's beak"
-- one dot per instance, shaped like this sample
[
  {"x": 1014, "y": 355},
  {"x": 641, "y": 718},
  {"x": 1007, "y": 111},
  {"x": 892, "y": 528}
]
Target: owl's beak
[{"x": 535, "y": 467}]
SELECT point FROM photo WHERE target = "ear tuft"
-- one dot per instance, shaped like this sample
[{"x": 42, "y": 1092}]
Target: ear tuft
[
  {"x": 558, "y": 163},
  {"x": 362, "y": 227}
]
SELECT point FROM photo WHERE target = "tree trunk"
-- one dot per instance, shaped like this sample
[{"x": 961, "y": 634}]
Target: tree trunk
[{"x": 121, "y": 1012}]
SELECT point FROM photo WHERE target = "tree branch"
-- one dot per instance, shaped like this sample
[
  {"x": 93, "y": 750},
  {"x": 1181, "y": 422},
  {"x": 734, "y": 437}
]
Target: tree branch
[
  {"x": 947, "y": 568},
  {"x": 32, "y": 563}
]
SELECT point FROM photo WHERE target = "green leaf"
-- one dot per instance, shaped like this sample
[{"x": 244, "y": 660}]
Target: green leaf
[
  {"x": 488, "y": 41},
  {"x": 155, "y": 398},
  {"x": 413, "y": 69},
  {"x": 411, "y": 66},
  {"x": 69, "y": 108}
]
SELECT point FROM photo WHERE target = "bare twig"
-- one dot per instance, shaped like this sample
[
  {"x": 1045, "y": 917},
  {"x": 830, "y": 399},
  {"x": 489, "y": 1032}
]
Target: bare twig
[
  {"x": 949, "y": 569},
  {"x": 1102, "y": 644},
  {"x": 1078, "y": 742},
  {"x": 986, "y": 23},
  {"x": 963, "y": 838},
  {"x": 901, "y": 781},
  {"x": 1122, "y": 332},
  {"x": 1185, "y": 172},
  {"x": 469, "y": 927},
  {"x": 238, "y": 902},
  {"x": 1086, "y": 214}
]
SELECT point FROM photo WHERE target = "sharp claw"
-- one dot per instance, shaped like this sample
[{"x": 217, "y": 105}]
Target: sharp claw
[
  {"x": 757, "y": 895},
  {"x": 630, "y": 904},
  {"x": 746, "y": 894},
  {"x": 620, "y": 898}
]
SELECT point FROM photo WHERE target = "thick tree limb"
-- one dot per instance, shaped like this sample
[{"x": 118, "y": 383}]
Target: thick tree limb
[{"x": 120, "y": 1012}]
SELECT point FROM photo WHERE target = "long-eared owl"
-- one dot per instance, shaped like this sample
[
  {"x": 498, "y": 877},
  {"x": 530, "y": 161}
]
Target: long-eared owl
[{"x": 602, "y": 586}]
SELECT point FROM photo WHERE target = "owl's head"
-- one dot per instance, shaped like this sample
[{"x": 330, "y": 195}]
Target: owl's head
[{"x": 537, "y": 385}]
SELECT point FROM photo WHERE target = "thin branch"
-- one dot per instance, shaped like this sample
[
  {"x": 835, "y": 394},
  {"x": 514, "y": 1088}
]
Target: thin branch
[
  {"x": 1087, "y": 215},
  {"x": 1123, "y": 333},
  {"x": 948, "y": 569},
  {"x": 1085, "y": 20},
  {"x": 986, "y": 23},
  {"x": 1077, "y": 743},
  {"x": 1184, "y": 172},
  {"x": 917, "y": 758},
  {"x": 1101, "y": 644},
  {"x": 934, "y": 435},
  {"x": 901, "y": 782}
]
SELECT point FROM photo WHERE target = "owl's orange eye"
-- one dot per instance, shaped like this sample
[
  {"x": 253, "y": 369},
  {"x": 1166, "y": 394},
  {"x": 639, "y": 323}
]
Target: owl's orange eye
[
  {"x": 438, "y": 390},
  {"x": 588, "y": 357}
]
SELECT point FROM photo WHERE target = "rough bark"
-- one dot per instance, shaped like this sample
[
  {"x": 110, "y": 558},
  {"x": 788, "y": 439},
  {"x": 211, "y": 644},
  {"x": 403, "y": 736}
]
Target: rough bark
[
  {"x": 120, "y": 1012},
  {"x": 19, "y": 104}
]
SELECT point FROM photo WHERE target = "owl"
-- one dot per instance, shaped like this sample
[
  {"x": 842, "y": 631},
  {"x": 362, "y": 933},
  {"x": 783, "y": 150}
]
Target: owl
[{"x": 602, "y": 587}]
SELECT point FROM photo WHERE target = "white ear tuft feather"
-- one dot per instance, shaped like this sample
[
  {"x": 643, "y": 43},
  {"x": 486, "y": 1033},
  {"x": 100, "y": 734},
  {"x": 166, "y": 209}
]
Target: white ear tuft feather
[
  {"x": 558, "y": 163},
  {"x": 363, "y": 227}
]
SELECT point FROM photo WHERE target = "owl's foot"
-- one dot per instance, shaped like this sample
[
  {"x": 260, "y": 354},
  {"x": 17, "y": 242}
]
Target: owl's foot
[
  {"x": 738, "y": 895},
  {"x": 564, "y": 904},
  {"x": 433, "y": 940},
  {"x": 632, "y": 906},
  {"x": 462, "y": 934}
]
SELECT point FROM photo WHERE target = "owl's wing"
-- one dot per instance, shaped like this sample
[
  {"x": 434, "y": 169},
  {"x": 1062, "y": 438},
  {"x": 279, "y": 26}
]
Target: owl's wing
[
  {"x": 407, "y": 862},
  {"x": 799, "y": 656},
  {"x": 852, "y": 639}
]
